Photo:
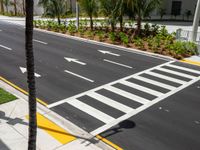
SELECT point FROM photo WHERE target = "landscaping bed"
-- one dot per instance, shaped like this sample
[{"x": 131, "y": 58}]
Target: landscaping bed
[
  {"x": 153, "y": 38},
  {"x": 6, "y": 97}
]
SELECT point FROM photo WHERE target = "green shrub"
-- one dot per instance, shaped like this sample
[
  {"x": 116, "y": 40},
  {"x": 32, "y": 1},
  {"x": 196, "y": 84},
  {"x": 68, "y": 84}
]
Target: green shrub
[
  {"x": 112, "y": 36},
  {"x": 71, "y": 27},
  {"x": 184, "y": 48},
  {"x": 138, "y": 43},
  {"x": 100, "y": 35},
  {"x": 124, "y": 38},
  {"x": 63, "y": 28}
]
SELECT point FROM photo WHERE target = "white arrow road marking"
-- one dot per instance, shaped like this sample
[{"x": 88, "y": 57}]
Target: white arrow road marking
[
  {"x": 79, "y": 76},
  {"x": 108, "y": 52},
  {"x": 74, "y": 60},
  {"x": 6, "y": 47},
  {"x": 112, "y": 62},
  {"x": 23, "y": 70},
  {"x": 40, "y": 41}
]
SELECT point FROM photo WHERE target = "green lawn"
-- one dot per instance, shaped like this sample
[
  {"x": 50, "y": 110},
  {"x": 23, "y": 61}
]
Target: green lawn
[{"x": 6, "y": 97}]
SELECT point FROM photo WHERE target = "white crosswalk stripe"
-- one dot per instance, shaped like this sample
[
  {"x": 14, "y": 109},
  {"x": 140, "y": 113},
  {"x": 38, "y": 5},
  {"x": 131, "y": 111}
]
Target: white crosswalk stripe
[
  {"x": 166, "y": 86},
  {"x": 166, "y": 77},
  {"x": 110, "y": 102},
  {"x": 141, "y": 88},
  {"x": 126, "y": 94},
  {"x": 145, "y": 103},
  {"x": 183, "y": 68},
  {"x": 91, "y": 111},
  {"x": 177, "y": 73}
]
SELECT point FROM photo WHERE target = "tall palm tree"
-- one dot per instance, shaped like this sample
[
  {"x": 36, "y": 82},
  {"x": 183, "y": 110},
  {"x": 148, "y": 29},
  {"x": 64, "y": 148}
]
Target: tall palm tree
[
  {"x": 142, "y": 9},
  {"x": 90, "y": 7},
  {"x": 30, "y": 75}
]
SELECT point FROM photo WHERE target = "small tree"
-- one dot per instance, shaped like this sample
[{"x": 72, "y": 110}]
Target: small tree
[
  {"x": 114, "y": 9},
  {"x": 54, "y": 8},
  {"x": 90, "y": 7},
  {"x": 142, "y": 9}
]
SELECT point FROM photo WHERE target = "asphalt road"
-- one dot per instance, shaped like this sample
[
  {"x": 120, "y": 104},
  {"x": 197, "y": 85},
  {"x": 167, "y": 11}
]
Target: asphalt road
[{"x": 96, "y": 91}]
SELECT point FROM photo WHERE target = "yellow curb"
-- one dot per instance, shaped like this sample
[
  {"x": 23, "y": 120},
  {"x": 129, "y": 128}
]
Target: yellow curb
[
  {"x": 109, "y": 142},
  {"x": 190, "y": 62},
  {"x": 54, "y": 130},
  {"x": 21, "y": 90}
]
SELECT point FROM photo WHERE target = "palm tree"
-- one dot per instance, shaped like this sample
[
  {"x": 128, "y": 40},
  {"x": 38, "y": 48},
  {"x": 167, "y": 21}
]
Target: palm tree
[
  {"x": 30, "y": 75},
  {"x": 142, "y": 9},
  {"x": 6, "y": 3},
  {"x": 2, "y": 6},
  {"x": 15, "y": 7},
  {"x": 114, "y": 10},
  {"x": 54, "y": 8},
  {"x": 90, "y": 7}
]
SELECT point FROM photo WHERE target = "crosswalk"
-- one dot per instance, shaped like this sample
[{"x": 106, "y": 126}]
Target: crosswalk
[{"x": 138, "y": 88}]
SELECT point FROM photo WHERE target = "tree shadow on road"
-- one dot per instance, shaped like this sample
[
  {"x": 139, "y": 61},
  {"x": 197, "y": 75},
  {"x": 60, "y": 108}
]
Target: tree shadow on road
[{"x": 126, "y": 124}]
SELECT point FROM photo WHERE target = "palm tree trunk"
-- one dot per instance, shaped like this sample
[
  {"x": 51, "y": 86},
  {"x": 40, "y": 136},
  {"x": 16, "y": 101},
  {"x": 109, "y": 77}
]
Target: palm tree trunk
[
  {"x": 59, "y": 21},
  {"x": 70, "y": 8},
  {"x": 138, "y": 30},
  {"x": 2, "y": 7},
  {"x": 112, "y": 26},
  {"x": 23, "y": 7},
  {"x": 15, "y": 7},
  {"x": 121, "y": 22},
  {"x": 91, "y": 23},
  {"x": 30, "y": 76}
]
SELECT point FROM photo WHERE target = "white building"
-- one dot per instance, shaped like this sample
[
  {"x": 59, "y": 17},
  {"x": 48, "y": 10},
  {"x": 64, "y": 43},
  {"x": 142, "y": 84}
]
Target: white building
[{"x": 179, "y": 7}]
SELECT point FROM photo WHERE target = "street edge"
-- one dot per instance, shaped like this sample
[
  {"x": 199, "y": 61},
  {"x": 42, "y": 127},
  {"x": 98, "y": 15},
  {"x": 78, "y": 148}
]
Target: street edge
[
  {"x": 191, "y": 62},
  {"x": 62, "y": 122}
]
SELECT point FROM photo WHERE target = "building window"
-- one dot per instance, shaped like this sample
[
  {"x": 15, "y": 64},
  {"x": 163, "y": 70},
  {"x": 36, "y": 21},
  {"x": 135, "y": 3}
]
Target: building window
[{"x": 176, "y": 8}]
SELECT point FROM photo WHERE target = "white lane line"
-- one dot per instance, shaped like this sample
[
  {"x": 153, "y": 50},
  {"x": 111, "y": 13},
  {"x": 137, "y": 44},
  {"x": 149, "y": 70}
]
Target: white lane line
[
  {"x": 74, "y": 60},
  {"x": 112, "y": 62},
  {"x": 141, "y": 88},
  {"x": 166, "y": 86},
  {"x": 127, "y": 94},
  {"x": 108, "y": 52},
  {"x": 166, "y": 77},
  {"x": 177, "y": 73},
  {"x": 40, "y": 41},
  {"x": 5, "y": 47},
  {"x": 0, "y": 30},
  {"x": 91, "y": 111},
  {"x": 79, "y": 76},
  {"x": 110, "y": 102},
  {"x": 183, "y": 68}
]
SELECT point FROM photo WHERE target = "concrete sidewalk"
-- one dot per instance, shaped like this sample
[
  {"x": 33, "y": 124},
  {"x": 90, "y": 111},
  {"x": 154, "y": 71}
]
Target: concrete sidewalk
[{"x": 53, "y": 133}]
